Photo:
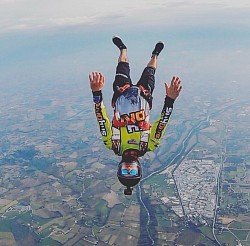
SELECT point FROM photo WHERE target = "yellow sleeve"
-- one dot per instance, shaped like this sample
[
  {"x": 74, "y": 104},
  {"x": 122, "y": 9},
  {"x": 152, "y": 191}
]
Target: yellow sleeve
[
  {"x": 160, "y": 125},
  {"x": 104, "y": 124}
]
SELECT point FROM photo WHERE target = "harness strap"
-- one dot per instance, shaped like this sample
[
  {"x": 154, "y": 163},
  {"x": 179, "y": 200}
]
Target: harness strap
[
  {"x": 117, "y": 93},
  {"x": 123, "y": 88},
  {"x": 147, "y": 95},
  {"x": 146, "y": 92}
]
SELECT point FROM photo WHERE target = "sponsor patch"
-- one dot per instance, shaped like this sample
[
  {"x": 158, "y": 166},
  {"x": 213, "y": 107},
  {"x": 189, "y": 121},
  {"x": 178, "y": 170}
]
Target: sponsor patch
[{"x": 132, "y": 141}]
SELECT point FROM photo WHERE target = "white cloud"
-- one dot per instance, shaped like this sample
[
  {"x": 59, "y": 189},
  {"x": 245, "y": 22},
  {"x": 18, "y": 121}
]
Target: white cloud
[
  {"x": 28, "y": 14},
  {"x": 71, "y": 21}
]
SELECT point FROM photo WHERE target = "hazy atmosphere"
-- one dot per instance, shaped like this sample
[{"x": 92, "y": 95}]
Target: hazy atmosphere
[
  {"x": 63, "y": 41},
  {"x": 58, "y": 183}
]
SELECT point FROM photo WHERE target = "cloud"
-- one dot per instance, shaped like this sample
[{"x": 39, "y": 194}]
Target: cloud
[
  {"x": 69, "y": 21},
  {"x": 34, "y": 14}
]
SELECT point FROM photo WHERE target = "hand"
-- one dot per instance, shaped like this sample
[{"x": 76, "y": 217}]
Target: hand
[
  {"x": 173, "y": 91},
  {"x": 96, "y": 81}
]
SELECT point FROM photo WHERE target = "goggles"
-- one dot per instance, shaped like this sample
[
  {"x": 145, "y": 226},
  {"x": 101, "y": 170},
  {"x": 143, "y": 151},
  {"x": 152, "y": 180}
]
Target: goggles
[{"x": 132, "y": 172}]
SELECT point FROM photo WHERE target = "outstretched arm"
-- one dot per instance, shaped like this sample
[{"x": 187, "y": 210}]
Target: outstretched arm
[
  {"x": 96, "y": 81},
  {"x": 96, "y": 84},
  {"x": 159, "y": 126},
  {"x": 173, "y": 91}
]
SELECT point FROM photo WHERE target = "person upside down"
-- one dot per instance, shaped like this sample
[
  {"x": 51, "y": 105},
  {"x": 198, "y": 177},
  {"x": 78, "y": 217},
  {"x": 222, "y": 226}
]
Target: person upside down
[{"x": 130, "y": 134}]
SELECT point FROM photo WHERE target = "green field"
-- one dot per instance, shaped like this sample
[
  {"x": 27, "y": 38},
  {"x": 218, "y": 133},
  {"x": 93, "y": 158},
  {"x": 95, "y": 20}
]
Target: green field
[
  {"x": 48, "y": 241},
  {"x": 228, "y": 238},
  {"x": 206, "y": 231},
  {"x": 102, "y": 211},
  {"x": 157, "y": 182},
  {"x": 7, "y": 238},
  {"x": 157, "y": 179},
  {"x": 188, "y": 237},
  {"x": 240, "y": 225},
  {"x": 5, "y": 225},
  {"x": 241, "y": 234}
]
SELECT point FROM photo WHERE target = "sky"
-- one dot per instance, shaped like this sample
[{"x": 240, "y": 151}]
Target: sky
[
  {"x": 61, "y": 40},
  {"x": 34, "y": 14}
]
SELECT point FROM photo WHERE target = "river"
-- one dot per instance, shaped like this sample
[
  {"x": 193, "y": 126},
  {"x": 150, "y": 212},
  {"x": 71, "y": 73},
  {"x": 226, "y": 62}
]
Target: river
[{"x": 180, "y": 155}]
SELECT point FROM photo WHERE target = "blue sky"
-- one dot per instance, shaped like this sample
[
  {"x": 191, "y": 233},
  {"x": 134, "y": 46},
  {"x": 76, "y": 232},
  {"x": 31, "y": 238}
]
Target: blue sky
[{"x": 64, "y": 40}]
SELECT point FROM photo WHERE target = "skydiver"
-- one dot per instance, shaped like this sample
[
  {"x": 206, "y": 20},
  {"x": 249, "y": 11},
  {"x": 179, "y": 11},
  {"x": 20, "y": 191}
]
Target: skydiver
[{"x": 130, "y": 135}]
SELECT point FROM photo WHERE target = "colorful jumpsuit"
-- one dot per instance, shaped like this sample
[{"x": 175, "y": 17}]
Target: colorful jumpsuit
[{"x": 130, "y": 128}]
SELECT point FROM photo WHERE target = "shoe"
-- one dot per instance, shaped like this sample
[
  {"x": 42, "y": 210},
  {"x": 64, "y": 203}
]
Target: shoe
[
  {"x": 158, "y": 48},
  {"x": 118, "y": 42}
]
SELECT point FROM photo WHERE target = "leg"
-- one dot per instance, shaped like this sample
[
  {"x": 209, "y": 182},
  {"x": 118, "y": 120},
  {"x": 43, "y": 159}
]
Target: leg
[
  {"x": 122, "y": 77},
  {"x": 122, "y": 47},
  {"x": 157, "y": 50},
  {"x": 147, "y": 80},
  {"x": 123, "y": 57},
  {"x": 153, "y": 62}
]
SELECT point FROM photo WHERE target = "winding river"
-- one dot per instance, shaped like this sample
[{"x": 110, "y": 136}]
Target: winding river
[{"x": 181, "y": 153}]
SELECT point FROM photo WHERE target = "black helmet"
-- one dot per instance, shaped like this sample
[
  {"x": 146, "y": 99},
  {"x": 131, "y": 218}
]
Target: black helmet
[{"x": 129, "y": 178}]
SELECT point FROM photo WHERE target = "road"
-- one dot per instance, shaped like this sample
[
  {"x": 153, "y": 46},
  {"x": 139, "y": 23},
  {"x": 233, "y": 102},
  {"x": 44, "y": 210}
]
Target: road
[{"x": 218, "y": 193}]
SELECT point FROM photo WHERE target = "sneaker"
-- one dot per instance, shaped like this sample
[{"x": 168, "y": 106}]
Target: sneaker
[
  {"x": 118, "y": 42},
  {"x": 158, "y": 48}
]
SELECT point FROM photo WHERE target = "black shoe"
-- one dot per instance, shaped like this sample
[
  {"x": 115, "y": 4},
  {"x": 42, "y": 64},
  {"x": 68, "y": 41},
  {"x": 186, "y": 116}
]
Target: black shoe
[
  {"x": 118, "y": 42},
  {"x": 158, "y": 48}
]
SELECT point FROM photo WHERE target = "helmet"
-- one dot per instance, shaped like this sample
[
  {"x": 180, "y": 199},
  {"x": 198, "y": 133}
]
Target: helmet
[{"x": 129, "y": 173}]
